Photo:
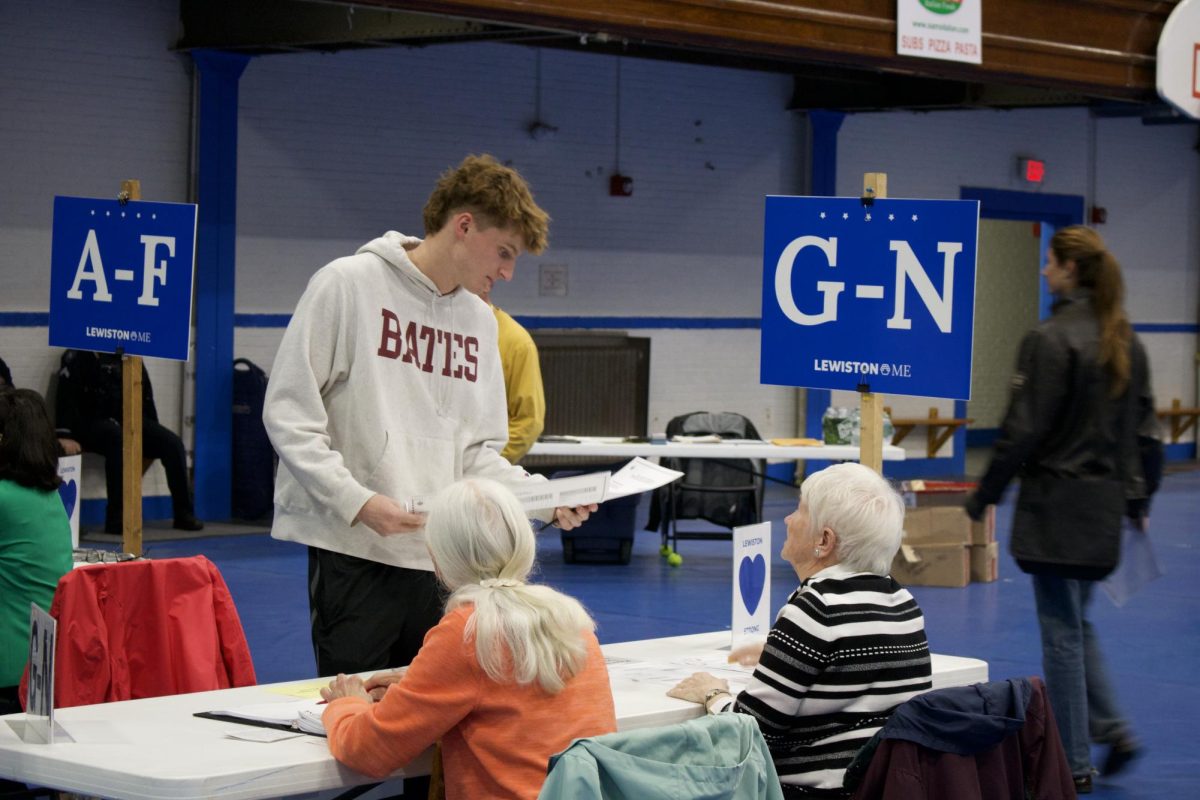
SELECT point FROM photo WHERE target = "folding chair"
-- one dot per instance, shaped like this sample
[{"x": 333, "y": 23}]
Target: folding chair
[
  {"x": 718, "y": 757},
  {"x": 726, "y": 492},
  {"x": 146, "y": 629}
]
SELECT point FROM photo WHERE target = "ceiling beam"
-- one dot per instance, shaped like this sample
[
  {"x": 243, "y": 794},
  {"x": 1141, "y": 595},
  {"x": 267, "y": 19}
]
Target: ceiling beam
[{"x": 1097, "y": 48}]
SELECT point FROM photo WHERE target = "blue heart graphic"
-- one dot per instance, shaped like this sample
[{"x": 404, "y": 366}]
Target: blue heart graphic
[
  {"x": 69, "y": 491},
  {"x": 752, "y": 576}
]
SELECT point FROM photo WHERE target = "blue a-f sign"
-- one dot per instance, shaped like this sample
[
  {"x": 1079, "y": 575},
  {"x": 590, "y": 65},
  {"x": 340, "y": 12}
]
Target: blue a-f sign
[
  {"x": 121, "y": 276},
  {"x": 880, "y": 294}
]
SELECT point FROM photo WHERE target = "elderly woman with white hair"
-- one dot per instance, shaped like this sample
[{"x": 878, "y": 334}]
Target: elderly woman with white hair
[
  {"x": 848, "y": 647},
  {"x": 509, "y": 676}
]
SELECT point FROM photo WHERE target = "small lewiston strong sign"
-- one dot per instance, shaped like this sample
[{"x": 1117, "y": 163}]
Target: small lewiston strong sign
[{"x": 881, "y": 294}]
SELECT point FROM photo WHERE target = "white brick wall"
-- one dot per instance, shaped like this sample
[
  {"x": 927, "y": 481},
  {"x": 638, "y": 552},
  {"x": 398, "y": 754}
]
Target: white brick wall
[
  {"x": 91, "y": 96},
  {"x": 335, "y": 149},
  {"x": 356, "y": 153}
]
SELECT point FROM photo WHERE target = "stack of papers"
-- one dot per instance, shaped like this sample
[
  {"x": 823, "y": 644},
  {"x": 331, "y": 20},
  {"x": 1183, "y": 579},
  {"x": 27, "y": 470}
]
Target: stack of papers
[
  {"x": 309, "y": 721},
  {"x": 300, "y": 715}
]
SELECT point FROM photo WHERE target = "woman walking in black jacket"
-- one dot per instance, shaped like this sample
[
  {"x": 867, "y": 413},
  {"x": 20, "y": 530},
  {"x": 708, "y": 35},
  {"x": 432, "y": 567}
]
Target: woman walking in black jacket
[{"x": 1080, "y": 398}]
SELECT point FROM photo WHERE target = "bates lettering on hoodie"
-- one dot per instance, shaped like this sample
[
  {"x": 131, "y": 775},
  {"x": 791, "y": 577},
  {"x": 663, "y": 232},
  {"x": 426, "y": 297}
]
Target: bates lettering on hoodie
[{"x": 426, "y": 348}]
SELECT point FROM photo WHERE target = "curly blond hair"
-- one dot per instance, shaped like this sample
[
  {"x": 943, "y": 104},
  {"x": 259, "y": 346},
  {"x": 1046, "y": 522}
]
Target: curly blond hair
[{"x": 495, "y": 194}]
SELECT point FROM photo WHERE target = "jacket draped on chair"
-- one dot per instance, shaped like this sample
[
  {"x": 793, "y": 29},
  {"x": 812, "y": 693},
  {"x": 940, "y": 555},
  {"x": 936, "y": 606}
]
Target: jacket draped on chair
[{"x": 146, "y": 629}]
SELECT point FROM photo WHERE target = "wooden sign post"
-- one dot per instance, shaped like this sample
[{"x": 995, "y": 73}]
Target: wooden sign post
[
  {"x": 870, "y": 412},
  {"x": 131, "y": 428}
]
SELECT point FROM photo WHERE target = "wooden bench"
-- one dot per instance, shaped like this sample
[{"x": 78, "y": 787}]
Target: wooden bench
[
  {"x": 938, "y": 429},
  {"x": 1182, "y": 419}
]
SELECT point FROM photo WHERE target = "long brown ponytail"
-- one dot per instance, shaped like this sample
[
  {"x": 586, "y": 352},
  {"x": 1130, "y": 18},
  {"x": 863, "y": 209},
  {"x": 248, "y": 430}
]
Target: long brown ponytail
[{"x": 1096, "y": 269}]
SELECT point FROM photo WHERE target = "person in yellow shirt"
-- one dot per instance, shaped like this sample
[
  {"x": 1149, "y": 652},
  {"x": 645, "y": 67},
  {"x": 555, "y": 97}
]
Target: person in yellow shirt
[{"x": 522, "y": 384}]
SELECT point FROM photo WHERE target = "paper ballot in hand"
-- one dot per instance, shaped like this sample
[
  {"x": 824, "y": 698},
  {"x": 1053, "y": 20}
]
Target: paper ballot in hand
[
  {"x": 639, "y": 475},
  {"x": 1138, "y": 565}
]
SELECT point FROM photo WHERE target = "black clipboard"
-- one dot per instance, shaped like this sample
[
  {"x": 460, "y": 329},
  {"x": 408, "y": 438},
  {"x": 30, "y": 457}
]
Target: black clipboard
[{"x": 257, "y": 723}]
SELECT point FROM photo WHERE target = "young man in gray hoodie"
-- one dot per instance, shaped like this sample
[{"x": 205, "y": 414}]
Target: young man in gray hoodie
[{"x": 387, "y": 386}]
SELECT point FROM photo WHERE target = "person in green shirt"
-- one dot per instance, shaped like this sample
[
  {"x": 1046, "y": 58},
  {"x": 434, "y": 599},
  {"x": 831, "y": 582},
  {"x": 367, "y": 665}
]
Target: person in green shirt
[{"x": 35, "y": 534}]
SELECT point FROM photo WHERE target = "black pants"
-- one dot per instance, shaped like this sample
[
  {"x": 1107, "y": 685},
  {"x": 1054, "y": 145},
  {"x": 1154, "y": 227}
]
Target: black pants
[
  {"x": 366, "y": 615},
  {"x": 157, "y": 442}
]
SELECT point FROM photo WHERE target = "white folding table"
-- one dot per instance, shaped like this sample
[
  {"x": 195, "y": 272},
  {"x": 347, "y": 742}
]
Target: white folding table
[
  {"x": 156, "y": 749},
  {"x": 618, "y": 448}
]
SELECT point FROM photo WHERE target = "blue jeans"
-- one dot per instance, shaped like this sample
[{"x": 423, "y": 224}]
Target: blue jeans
[{"x": 1080, "y": 692}]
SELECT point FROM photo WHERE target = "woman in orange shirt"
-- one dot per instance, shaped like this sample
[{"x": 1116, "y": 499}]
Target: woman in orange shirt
[{"x": 511, "y": 674}]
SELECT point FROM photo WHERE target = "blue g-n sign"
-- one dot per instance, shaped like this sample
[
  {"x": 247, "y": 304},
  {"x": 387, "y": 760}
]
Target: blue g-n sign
[
  {"x": 882, "y": 294},
  {"x": 121, "y": 276}
]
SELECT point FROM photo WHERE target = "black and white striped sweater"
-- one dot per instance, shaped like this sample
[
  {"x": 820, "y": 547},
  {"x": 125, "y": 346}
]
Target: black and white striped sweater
[{"x": 843, "y": 653}]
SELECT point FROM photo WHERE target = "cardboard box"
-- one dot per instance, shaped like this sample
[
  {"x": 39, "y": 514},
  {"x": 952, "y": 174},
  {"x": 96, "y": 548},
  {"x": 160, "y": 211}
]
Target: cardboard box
[
  {"x": 917, "y": 524},
  {"x": 919, "y": 494},
  {"x": 925, "y": 494},
  {"x": 950, "y": 524},
  {"x": 984, "y": 531},
  {"x": 936, "y": 526},
  {"x": 985, "y": 562},
  {"x": 932, "y": 565}
]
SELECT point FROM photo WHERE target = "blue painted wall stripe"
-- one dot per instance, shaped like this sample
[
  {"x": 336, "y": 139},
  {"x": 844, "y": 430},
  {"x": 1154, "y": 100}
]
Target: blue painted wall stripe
[
  {"x": 24, "y": 319},
  {"x": 642, "y": 323},
  {"x": 41, "y": 319},
  {"x": 261, "y": 320},
  {"x": 154, "y": 507},
  {"x": 1183, "y": 451},
  {"x": 550, "y": 322},
  {"x": 1166, "y": 327}
]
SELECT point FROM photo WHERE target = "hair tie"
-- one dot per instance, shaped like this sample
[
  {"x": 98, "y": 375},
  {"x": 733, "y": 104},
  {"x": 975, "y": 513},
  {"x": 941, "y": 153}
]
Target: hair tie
[{"x": 497, "y": 583}]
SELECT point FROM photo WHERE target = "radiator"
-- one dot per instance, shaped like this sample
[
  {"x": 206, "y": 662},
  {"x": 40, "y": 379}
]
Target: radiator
[{"x": 596, "y": 385}]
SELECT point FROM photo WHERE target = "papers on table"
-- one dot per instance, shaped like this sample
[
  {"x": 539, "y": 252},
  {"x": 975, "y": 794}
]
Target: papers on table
[
  {"x": 264, "y": 735},
  {"x": 300, "y": 715},
  {"x": 308, "y": 690},
  {"x": 670, "y": 672},
  {"x": 705, "y": 438},
  {"x": 639, "y": 475}
]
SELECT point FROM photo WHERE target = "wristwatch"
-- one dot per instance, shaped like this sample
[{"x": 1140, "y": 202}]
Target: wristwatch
[{"x": 710, "y": 694}]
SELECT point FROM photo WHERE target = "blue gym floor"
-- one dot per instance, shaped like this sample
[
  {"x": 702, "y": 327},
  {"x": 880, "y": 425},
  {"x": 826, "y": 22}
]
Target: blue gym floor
[{"x": 1152, "y": 644}]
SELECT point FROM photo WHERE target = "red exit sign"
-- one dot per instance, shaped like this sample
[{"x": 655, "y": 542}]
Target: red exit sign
[{"x": 1032, "y": 170}]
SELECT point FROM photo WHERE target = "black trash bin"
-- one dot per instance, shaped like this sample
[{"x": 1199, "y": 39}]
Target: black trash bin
[{"x": 607, "y": 536}]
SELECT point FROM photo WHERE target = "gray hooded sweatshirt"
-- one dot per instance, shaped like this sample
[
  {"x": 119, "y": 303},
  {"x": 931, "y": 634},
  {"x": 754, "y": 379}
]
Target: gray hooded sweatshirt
[{"x": 381, "y": 385}]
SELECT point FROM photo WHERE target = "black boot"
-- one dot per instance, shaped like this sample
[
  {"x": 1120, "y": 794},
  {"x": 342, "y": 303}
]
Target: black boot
[{"x": 188, "y": 522}]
